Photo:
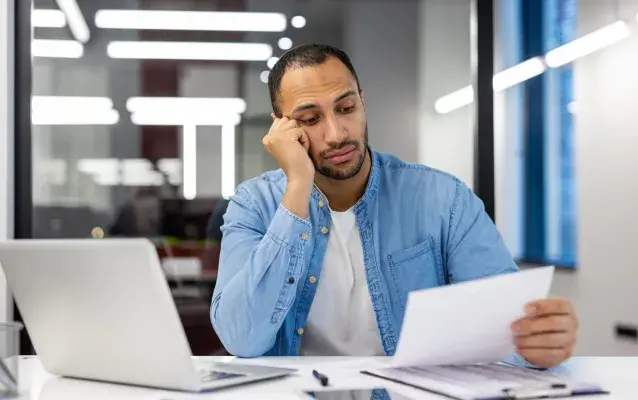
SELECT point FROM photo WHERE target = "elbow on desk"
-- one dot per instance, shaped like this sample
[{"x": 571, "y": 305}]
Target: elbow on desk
[{"x": 244, "y": 343}]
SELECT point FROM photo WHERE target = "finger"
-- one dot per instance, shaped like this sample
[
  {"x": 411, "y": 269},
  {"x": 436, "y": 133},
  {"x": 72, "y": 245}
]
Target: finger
[
  {"x": 303, "y": 139},
  {"x": 297, "y": 134},
  {"x": 545, "y": 341},
  {"x": 289, "y": 124},
  {"x": 545, "y": 358},
  {"x": 556, "y": 323},
  {"x": 549, "y": 306}
]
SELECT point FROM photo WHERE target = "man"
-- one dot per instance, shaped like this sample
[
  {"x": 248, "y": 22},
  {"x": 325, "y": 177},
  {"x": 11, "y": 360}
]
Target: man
[{"x": 318, "y": 257}]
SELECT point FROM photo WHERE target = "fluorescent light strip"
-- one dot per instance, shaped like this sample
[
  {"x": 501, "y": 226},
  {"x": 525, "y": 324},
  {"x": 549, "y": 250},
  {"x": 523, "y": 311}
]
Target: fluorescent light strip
[
  {"x": 518, "y": 73},
  {"x": 218, "y": 105},
  {"x": 77, "y": 24},
  {"x": 191, "y": 20},
  {"x": 41, "y": 18},
  {"x": 189, "y": 51},
  {"x": 587, "y": 44},
  {"x": 189, "y": 161},
  {"x": 70, "y": 102},
  {"x": 228, "y": 160},
  {"x": 555, "y": 58},
  {"x": 103, "y": 117},
  {"x": 454, "y": 100},
  {"x": 73, "y": 110},
  {"x": 164, "y": 119},
  {"x": 56, "y": 48}
]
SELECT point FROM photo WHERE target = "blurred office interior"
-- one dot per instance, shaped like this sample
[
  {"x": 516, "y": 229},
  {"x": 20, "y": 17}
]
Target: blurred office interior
[{"x": 97, "y": 154}]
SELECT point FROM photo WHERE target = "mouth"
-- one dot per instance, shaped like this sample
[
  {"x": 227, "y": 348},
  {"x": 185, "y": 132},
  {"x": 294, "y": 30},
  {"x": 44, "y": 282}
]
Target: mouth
[{"x": 342, "y": 155}]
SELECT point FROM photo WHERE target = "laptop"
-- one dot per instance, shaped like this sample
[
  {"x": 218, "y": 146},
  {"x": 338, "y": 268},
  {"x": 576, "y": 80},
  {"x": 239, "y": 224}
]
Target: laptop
[{"x": 101, "y": 309}]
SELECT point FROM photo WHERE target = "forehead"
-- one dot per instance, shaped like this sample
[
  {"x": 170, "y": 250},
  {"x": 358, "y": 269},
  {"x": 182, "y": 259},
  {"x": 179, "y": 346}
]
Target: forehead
[{"x": 315, "y": 84}]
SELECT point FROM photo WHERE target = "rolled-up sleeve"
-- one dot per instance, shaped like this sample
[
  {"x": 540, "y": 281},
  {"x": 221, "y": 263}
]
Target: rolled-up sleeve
[{"x": 259, "y": 269}]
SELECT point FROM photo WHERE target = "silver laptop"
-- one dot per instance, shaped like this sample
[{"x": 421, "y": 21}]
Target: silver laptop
[{"x": 101, "y": 309}]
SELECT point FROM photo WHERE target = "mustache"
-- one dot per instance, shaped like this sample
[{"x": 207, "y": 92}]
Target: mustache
[{"x": 339, "y": 146}]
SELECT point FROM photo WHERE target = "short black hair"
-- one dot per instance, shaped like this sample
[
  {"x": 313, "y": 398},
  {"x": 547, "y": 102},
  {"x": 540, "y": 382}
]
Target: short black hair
[{"x": 305, "y": 55}]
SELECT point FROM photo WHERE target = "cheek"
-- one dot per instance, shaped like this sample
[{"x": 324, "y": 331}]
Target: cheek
[{"x": 354, "y": 124}]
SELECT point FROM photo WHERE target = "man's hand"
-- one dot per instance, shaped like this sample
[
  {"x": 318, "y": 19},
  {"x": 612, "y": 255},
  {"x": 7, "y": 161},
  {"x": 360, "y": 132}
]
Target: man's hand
[
  {"x": 288, "y": 144},
  {"x": 546, "y": 336}
]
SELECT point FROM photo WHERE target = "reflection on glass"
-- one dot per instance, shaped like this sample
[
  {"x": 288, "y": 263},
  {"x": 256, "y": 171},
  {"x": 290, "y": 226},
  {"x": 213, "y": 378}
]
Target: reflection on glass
[{"x": 146, "y": 115}]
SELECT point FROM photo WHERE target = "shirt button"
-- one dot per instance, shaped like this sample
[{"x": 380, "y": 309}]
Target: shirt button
[
  {"x": 291, "y": 280},
  {"x": 321, "y": 203},
  {"x": 304, "y": 236},
  {"x": 312, "y": 279},
  {"x": 324, "y": 230},
  {"x": 300, "y": 331}
]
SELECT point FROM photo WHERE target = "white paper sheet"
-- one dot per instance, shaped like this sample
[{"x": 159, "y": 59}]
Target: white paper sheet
[{"x": 470, "y": 322}]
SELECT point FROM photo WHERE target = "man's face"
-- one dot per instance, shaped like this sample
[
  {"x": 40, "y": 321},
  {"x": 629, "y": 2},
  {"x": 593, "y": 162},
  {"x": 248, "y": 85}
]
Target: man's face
[{"x": 325, "y": 101}]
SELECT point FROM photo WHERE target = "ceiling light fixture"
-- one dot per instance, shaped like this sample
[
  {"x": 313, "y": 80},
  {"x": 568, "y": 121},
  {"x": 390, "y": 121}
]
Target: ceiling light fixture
[
  {"x": 272, "y": 61},
  {"x": 95, "y": 117},
  {"x": 298, "y": 21},
  {"x": 219, "y": 105},
  {"x": 73, "y": 110},
  {"x": 191, "y": 20},
  {"x": 177, "y": 119},
  {"x": 228, "y": 160},
  {"x": 264, "y": 76},
  {"x": 41, "y": 18},
  {"x": 56, "y": 48},
  {"x": 75, "y": 19},
  {"x": 189, "y": 161},
  {"x": 587, "y": 44},
  {"x": 562, "y": 55},
  {"x": 189, "y": 51},
  {"x": 454, "y": 100},
  {"x": 518, "y": 73},
  {"x": 285, "y": 43}
]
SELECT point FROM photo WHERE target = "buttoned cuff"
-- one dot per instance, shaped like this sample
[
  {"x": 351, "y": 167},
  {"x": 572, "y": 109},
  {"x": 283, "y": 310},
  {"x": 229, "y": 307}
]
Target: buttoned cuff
[
  {"x": 518, "y": 361},
  {"x": 289, "y": 230}
]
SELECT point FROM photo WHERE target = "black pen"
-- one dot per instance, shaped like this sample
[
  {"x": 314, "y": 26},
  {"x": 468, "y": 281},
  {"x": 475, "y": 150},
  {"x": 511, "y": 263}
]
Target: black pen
[{"x": 320, "y": 377}]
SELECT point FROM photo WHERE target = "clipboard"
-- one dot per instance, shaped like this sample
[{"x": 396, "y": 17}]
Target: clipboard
[{"x": 487, "y": 382}]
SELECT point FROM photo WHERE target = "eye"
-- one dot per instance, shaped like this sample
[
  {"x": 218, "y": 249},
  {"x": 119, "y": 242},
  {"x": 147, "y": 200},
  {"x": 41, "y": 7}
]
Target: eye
[
  {"x": 345, "y": 110},
  {"x": 310, "y": 121}
]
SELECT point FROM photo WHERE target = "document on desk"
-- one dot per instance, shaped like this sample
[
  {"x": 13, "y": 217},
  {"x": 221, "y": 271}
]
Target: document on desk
[
  {"x": 486, "y": 382},
  {"x": 469, "y": 322}
]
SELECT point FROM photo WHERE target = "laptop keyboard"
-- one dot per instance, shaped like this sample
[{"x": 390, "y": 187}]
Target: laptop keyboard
[{"x": 208, "y": 376}]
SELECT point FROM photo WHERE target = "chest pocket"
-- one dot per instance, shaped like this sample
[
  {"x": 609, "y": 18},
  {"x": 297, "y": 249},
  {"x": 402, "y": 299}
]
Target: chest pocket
[{"x": 418, "y": 267}]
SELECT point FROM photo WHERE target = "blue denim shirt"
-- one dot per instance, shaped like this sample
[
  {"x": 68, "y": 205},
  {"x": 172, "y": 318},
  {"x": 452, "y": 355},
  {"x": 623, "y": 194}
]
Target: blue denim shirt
[{"x": 420, "y": 228}]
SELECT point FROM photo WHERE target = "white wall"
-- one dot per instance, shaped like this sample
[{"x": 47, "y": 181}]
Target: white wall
[
  {"x": 446, "y": 141},
  {"x": 605, "y": 286},
  {"x": 382, "y": 39},
  {"x": 6, "y": 139}
]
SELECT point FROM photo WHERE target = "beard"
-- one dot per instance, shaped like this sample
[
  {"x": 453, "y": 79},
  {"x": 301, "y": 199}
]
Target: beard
[{"x": 340, "y": 173}]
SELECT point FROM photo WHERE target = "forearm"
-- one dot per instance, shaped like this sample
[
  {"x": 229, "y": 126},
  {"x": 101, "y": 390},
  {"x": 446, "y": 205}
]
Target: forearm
[
  {"x": 297, "y": 198},
  {"x": 248, "y": 309}
]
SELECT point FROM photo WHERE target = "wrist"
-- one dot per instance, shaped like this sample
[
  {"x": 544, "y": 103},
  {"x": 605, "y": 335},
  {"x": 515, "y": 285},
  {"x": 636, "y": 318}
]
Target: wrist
[{"x": 297, "y": 198}]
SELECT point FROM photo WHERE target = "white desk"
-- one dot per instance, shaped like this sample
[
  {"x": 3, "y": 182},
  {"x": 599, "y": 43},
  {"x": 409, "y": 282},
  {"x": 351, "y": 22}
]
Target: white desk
[{"x": 618, "y": 375}]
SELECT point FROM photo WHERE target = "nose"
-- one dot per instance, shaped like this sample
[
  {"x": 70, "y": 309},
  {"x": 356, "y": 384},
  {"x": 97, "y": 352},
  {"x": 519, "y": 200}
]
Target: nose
[{"x": 334, "y": 133}]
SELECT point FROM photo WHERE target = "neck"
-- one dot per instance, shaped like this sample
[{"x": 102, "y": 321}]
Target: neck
[{"x": 343, "y": 194}]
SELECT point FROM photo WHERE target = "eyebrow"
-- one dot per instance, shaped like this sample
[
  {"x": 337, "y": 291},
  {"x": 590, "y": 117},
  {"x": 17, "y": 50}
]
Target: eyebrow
[{"x": 311, "y": 106}]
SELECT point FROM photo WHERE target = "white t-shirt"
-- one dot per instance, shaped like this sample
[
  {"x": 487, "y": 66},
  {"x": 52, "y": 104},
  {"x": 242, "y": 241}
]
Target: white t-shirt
[{"x": 341, "y": 321}]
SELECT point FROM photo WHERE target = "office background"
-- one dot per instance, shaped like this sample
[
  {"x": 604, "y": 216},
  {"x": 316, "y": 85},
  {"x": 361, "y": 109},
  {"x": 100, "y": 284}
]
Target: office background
[{"x": 107, "y": 165}]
